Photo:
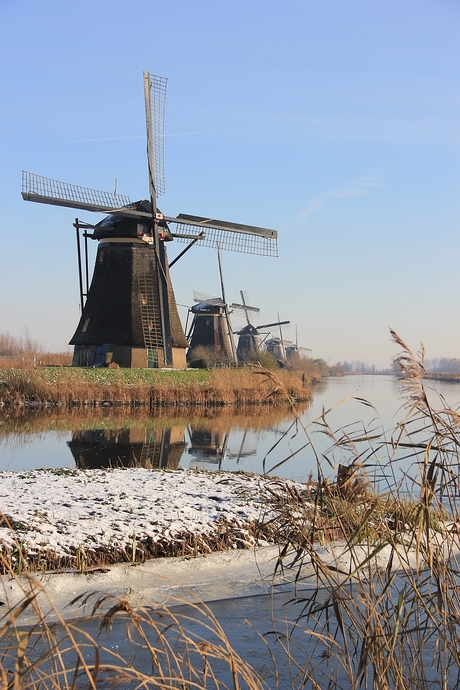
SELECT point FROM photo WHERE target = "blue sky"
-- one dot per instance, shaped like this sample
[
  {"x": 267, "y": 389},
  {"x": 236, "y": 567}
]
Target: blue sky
[{"x": 336, "y": 123}]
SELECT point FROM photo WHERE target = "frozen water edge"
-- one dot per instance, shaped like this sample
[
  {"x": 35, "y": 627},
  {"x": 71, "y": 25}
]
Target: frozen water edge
[
  {"x": 169, "y": 581},
  {"x": 237, "y": 585},
  {"x": 173, "y": 581}
]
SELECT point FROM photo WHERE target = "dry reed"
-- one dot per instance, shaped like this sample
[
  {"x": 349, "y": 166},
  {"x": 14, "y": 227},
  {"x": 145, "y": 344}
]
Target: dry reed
[
  {"x": 151, "y": 388},
  {"x": 385, "y": 611}
]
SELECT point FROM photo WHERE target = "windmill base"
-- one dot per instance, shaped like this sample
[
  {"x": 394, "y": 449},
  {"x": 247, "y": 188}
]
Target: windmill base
[{"x": 126, "y": 356}]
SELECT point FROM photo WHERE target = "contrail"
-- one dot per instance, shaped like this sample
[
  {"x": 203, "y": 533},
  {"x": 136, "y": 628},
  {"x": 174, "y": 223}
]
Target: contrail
[{"x": 175, "y": 134}]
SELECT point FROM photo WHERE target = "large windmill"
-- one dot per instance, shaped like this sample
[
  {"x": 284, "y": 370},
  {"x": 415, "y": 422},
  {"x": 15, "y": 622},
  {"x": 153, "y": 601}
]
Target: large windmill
[{"x": 130, "y": 315}]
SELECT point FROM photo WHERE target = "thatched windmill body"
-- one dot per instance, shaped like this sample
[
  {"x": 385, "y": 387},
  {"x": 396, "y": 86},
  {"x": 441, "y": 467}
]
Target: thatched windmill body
[
  {"x": 129, "y": 316},
  {"x": 209, "y": 330}
]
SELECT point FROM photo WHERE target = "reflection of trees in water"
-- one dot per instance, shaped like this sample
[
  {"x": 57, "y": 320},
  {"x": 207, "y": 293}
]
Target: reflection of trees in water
[
  {"x": 33, "y": 421},
  {"x": 132, "y": 447}
]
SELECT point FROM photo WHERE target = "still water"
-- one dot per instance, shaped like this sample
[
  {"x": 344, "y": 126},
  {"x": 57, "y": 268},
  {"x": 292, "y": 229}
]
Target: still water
[
  {"x": 261, "y": 439},
  {"x": 348, "y": 408}
]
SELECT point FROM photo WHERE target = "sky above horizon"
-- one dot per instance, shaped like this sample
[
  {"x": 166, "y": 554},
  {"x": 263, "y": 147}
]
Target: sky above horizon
[{"x": 335, "y": 123}]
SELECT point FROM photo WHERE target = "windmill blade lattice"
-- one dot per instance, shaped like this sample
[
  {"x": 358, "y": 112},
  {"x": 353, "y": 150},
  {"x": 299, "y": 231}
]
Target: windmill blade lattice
[
  {"x": 155, "y": 122},
  {"x": 234, "y": 237},
  {"x": 47, "y": 191},
  {"x": 202, "y": 297}
]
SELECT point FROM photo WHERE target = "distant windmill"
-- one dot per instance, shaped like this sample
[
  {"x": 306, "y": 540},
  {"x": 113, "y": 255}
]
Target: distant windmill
[
  {"x": 211, "y": 326},
  {"x": 130, "y": 315},
  {"x": 248, "y": 340},
  {"x": 294, "y": 351}
]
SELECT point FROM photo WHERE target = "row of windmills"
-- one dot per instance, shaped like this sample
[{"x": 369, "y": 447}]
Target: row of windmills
[
  {"x": 211, "y": 329},
  {"x": 129, "y": 313}
]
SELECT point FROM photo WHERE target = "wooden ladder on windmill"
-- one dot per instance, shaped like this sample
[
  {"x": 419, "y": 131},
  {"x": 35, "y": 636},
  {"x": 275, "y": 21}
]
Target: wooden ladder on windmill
[{"x": 150, "y": 317}]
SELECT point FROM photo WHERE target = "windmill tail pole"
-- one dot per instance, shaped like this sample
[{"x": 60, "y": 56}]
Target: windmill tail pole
[
  {"x": 227, "y": 315},
  {"x": 80, "y": 274}
]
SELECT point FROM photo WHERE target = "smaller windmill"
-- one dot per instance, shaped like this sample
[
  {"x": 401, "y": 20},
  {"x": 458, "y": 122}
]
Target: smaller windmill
[
  {"x": 211, "y": 325},
  {"x": 248, "y": 341},
  {"x": 294, "y": 352}
]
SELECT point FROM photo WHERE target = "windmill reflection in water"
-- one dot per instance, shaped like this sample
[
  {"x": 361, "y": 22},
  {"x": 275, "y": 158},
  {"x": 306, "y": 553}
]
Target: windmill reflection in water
[
  {"x": 128, "y": 447},
  {"x": 155, "y": 448}
]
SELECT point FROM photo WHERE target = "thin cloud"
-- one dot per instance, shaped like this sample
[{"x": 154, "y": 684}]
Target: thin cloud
[
  {"x": 360, "y": 186},
  {"x": 79, "y": 141},
  {"x": 174, "y": 134}
]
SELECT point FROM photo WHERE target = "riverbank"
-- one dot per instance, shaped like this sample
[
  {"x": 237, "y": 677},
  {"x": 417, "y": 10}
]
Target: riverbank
[
  {"x": 62, "y": 519},
  {"x": 71, "y": 387},
  {"x": 373, "y": 577},
  {"x": 452, "y": 378},
  {"x": 66, "y": 518}
]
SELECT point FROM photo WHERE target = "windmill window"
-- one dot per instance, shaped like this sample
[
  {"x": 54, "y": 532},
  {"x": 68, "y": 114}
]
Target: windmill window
[{"x": 85, "y": 325}]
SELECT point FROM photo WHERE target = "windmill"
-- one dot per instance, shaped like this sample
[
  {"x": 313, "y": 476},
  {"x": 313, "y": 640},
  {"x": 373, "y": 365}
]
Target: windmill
[
  {"x": 130, "y": 315},
  {"x": 248, "y": 340},
  {"x": 277, "y": 347},
  {"x": 211, "y": 326}
]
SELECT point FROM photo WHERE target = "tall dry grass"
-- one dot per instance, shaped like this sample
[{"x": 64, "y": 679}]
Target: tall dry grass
[
  {"x": 149, "y": 387},
  {"x": 382, "y": 609},
  {"x": 385, "y": 612}
]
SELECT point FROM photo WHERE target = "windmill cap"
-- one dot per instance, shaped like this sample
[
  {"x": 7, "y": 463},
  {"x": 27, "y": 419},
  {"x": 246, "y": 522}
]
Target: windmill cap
[
  {"x": 119, "y": 225},
  {"x": 206, "y": 308}
]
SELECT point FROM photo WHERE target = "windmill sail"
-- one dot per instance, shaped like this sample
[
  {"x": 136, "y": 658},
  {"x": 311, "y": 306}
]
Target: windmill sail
[
  {"x": 45, "y": 190},
  {"x": 130, "y": 315},
  {"x": 235, "y": 237},
  {"x": 155, "y": 99},
  {"x": 155, "y": 95}
]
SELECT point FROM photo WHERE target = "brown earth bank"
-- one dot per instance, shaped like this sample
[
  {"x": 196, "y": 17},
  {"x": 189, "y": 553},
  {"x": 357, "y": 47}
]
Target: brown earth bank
[{"x": 72, "y": 387}]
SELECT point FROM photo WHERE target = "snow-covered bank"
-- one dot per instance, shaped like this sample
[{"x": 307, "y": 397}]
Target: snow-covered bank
[
  {"x": 114, "y": 519},
  {"x": 76, "y": 518}
]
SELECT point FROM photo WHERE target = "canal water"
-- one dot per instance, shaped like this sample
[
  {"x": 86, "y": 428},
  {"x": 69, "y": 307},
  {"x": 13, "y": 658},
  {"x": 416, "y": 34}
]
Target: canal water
[
  {"x": 260, "y": 439},
  {"x": 348, "y": 417}
]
